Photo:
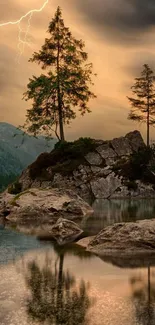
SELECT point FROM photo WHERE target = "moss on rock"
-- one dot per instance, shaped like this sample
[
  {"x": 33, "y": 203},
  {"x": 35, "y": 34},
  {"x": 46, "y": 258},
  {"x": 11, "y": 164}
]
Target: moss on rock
[
  {"x": 65, "y": 158},
  {"x": 15, "y": 188}
]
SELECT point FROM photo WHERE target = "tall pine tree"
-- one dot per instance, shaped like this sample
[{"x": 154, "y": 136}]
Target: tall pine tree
[
  {"x": 65, "y": 85},
  {"x": 143, "y": 104}
]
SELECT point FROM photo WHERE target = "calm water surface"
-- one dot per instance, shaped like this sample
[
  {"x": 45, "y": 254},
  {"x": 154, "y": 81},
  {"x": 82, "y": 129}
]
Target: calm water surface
[{"x": 41, "y": 283}]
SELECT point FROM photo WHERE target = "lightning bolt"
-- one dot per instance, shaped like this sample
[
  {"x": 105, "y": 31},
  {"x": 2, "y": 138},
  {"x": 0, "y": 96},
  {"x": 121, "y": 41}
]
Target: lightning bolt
[
  {"x": 24, "y": 16},
  {"x": 23, "y": 42}
]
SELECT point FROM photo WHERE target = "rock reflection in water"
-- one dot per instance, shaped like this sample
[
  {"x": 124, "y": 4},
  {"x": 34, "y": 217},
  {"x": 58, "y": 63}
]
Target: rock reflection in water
[
  {"x": 107, "y": 212},
  {"x": 56, "y": 297},
  {"x": 2, "y": 223}
]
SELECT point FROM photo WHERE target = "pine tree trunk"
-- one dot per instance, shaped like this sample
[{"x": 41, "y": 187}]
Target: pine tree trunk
[
  {"x": 62, "y": 137},
  {"x": 148, "y": 116},
  {"x": 148, "y": 129},
  {"x": 60, "y": 114}
]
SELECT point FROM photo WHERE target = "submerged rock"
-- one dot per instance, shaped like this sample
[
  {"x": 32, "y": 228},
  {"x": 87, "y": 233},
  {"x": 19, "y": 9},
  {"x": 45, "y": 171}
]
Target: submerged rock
[
  {"x": 131, "y": 238},
  {"x": 36, "y": 210},
  {"x": 65, "y": 231}
]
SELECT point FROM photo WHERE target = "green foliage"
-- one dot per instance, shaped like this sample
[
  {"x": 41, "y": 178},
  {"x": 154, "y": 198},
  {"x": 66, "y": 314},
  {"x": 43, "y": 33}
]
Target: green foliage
[
  {"x": 143, "y": 104},
  {"x": 18, "y": 195},
  {"x": 65, "y": 85},
  {"x": 119, "y": 164},
  {"x": 5, "y": 180},
  {"x": 131, "y": 185},
  {"x": 15, "y": 188},
  {"x": 137, "y": 166},
  {"x": 140, "y": 159},
  {"x": 66, "y": 157}
]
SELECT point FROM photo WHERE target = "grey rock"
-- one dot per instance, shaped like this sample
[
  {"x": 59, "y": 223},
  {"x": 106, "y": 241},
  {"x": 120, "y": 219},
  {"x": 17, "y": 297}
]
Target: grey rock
[
  {"x": 125, "y": 238},
  {"x": 105, "y": 187},
  {"x": 107, "y": 170},
  {"x": 106, "y": 151},
  {"x": 65, "y": 231},
  {"x": 98, "y": 171},
  {"x": 111, "y": 161},
  {"x": 84, "y": 169},
  {"x": 25, "y": 179},
  {"x": 135, "y": 140},
  {"x": 142, "y": 191},
  {"x": 121, "y": 146},
  {"x": 94, "y": 158}
]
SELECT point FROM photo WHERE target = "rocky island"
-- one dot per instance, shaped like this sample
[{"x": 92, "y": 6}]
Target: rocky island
[
  {"x": 117, "y": 168},
  {"x": 60, "y": 186}
]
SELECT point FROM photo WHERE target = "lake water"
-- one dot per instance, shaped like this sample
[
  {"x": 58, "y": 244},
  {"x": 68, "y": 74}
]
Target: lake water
[{"x": 41, "y": 283}]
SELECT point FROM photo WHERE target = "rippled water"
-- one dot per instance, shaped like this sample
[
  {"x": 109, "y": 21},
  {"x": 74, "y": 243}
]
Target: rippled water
[{"x": 41, "y": 283}]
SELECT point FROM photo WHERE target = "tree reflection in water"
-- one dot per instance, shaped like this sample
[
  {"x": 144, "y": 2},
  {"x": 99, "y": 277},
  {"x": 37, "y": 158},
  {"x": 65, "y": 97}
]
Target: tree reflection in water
[
  {"x": 143, "y": 296},
  {"x": 56, "y": 298}
]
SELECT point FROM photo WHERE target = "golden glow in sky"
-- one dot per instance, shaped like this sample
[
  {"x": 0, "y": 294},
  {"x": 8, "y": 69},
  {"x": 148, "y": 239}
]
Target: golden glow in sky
[
  {"x": 119, "y": 40},
  {"x": 23, "y": 41},
  {"x": 30, "y": 12}
]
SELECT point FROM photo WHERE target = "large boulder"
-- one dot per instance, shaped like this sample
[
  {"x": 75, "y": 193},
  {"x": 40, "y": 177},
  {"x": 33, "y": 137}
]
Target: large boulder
[
  {"x": 93, "y": 158},
  {"x": 129, "y": 238},
  {"x": 135, "y": 139},
  {"x": 122, "y": 146},
  {"x": 65, "y": 231},
  {"x": 36, "y": 210},
  {"x": 106, "y": 151}
]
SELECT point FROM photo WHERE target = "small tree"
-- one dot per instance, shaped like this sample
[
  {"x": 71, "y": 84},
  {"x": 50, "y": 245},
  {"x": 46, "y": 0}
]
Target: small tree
[
  {"x": 143, "y": 105},
  {"x": 66, "y": 84}
]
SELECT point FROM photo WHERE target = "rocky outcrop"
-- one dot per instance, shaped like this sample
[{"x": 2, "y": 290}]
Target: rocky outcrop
[
  {"x": 135, "y": 140},
  {"x": 65, "y": 231},
  {"x": 104, "y": 187},
  {"x": 100, "y": 173},
  {"x": 131, "y": 238},
  {"x": 36, "y": 210}
]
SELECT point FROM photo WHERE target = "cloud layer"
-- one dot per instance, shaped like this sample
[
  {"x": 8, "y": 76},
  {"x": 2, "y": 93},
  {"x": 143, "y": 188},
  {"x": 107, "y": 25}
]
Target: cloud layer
[
  {"x": 121, "y": 20},
  {"x": 119, "y": 38}
]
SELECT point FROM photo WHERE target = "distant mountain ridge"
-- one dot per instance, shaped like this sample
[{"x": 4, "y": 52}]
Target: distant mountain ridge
[{"x": 17, "y": 151}]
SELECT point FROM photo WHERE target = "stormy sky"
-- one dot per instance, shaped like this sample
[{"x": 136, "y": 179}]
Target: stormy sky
[{"x": 119, "y": 37}]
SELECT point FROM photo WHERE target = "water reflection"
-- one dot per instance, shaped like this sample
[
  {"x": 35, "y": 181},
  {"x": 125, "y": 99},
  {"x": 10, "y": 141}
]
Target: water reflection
[
  {"x": 2, "y": 223},
  {"x": 108, "y": 212},
  {"x": 56, "y": 297},
  {"x": 143, "y": 297},
  {"x": 43, "y": 285}
]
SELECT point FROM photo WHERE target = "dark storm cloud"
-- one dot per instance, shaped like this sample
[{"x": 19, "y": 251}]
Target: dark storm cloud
[
  {"x": 135, "y": 66},
  {"x": 123, "y": 20}
]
